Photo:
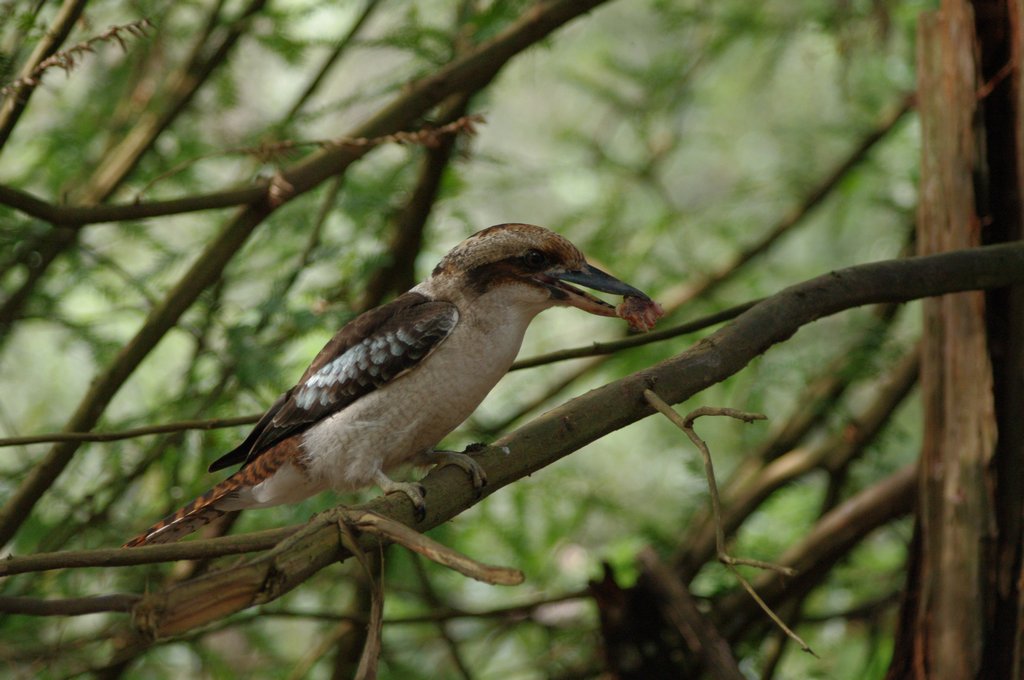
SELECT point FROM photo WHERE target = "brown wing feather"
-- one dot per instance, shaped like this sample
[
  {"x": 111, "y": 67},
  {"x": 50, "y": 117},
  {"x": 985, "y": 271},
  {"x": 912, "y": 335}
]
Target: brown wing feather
[
  {"x": 365, "y": 354},
  {"x": 241, "y": 452}
]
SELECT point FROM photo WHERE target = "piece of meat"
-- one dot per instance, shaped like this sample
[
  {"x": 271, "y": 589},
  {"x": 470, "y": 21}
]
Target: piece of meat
[{"x": 640, "y": 313}]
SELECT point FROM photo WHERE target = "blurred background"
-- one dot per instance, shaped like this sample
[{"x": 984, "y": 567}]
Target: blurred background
[{"x": 708, "y": 153}]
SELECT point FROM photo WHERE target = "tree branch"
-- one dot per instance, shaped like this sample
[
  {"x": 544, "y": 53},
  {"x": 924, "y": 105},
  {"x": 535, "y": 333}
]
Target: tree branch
[
  {"x": 165, "y": 428},
  {"x": 55, "y": 35},
  {"x": 77, "y": 216},
  {"x": 344, "y": 43},
  {"x": 72, "y": 606},
  {"x": 679, "y": 607},
  {"x": 398, "y": 274},
  {"x": 674, "y": 299},
  {"x": 67, "y": 59},
  {"x": 829, "y": 540},
  {"x": 636, "y": 340},
  {"x": 582, "y": 420},
  {"x": 147, "y": 554}
]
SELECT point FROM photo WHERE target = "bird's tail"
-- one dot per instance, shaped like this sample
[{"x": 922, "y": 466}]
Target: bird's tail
[
  {"x": 234, "y": 493},
  {"x": 193, "y": 516}
]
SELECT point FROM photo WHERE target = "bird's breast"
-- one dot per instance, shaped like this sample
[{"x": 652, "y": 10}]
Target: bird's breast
[{"x": 418, "y": 408}]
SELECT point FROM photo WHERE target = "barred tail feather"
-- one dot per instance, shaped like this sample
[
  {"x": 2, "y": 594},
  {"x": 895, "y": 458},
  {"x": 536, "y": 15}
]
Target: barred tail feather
[
  {"x": 235, "y": 493},
  {"x": 192, "y": 517}
]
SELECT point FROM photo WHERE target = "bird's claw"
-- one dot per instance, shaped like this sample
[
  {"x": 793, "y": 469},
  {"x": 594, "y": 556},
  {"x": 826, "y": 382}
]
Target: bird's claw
[
  {"x": 414, "y": 491},
  {"x": 467, "y": 463}
]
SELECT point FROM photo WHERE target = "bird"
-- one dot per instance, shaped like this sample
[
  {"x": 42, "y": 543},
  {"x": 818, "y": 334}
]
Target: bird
[{"x": 395, "y": 380}]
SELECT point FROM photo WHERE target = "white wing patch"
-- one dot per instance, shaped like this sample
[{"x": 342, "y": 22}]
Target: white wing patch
[{"x": 373, "y": 361}]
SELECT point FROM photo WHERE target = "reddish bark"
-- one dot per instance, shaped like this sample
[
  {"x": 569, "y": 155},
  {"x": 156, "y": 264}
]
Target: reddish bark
[{"x": 960, "y": 617}]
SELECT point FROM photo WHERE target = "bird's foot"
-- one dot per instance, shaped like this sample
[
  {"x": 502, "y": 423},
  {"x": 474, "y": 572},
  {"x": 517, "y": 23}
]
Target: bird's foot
[
  {"x": 464, "y": 461},
  {"x": 413, "y": 490}
]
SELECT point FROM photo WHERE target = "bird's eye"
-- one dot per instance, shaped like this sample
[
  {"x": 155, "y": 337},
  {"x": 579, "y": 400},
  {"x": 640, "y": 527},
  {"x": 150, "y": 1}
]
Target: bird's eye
[{"x": 535, "y": 259}]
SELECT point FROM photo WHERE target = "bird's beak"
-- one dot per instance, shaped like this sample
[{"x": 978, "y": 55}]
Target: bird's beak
[{"x": 591, "y": 277}]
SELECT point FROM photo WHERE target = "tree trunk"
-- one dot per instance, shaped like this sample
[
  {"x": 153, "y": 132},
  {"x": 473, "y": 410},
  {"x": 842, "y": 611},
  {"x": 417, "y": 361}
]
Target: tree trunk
[{"x": 960, "y": 617}]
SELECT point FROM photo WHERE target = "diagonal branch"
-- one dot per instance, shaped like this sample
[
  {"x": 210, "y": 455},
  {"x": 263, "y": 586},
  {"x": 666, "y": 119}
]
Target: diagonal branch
[
  {"x": 343, "y": 44},
  {"x": 68, "y": 59},
  {"x": 12, "y": 107},
  {"x": 410, "y": 223},
  {"x": 692, "y": 290},
  {"x": 147, "y": 554},
  {"x": 582, "y": 420},
  {"x": 828, "y": 541},
  {"x": 680, "y": 607}
]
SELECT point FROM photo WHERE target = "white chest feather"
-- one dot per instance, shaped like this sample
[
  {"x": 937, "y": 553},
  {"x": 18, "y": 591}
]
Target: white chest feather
[{"x": 414, "y": 412}]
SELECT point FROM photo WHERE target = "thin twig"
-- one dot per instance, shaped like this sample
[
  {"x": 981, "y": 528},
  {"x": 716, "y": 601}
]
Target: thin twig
[
  {"x": 52, "y": 38},
  {"x": 434, "y": 601},
  {"x": 269, "y": 152},
  {"x": 686, "y": 425},
  {"x": 817, "y": 194},
  {"x": 68, "y": 59},
  {"x": 165, "y": 428},
  {"x": 371, "y": 649},
  {"x": 757, "y": 481},
  {"x": 72, "y": 606},
  {"x": 147, "y": 554},
  {"x": 432, "y": 550},
  {"x": 768, "y": 610},
  {"x": 343, "y": 44},
  {"x": 638, "y": 340}
]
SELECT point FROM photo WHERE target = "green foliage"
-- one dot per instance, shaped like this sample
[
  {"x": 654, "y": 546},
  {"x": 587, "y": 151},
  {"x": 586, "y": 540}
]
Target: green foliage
[{"x": 663, "y": 137}]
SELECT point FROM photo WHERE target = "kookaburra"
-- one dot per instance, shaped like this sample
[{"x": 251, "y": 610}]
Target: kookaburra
[{"x": 398, "y": 378}]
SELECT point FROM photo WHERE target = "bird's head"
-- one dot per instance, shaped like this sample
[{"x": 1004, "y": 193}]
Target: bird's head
[{"x": 526, "y": 265}]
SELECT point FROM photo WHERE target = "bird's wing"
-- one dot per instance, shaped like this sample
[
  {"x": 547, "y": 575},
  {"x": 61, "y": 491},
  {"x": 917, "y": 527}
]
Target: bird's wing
[
  {"x": 241, "y": 452},
  {"x": 367, "y": 353}
]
